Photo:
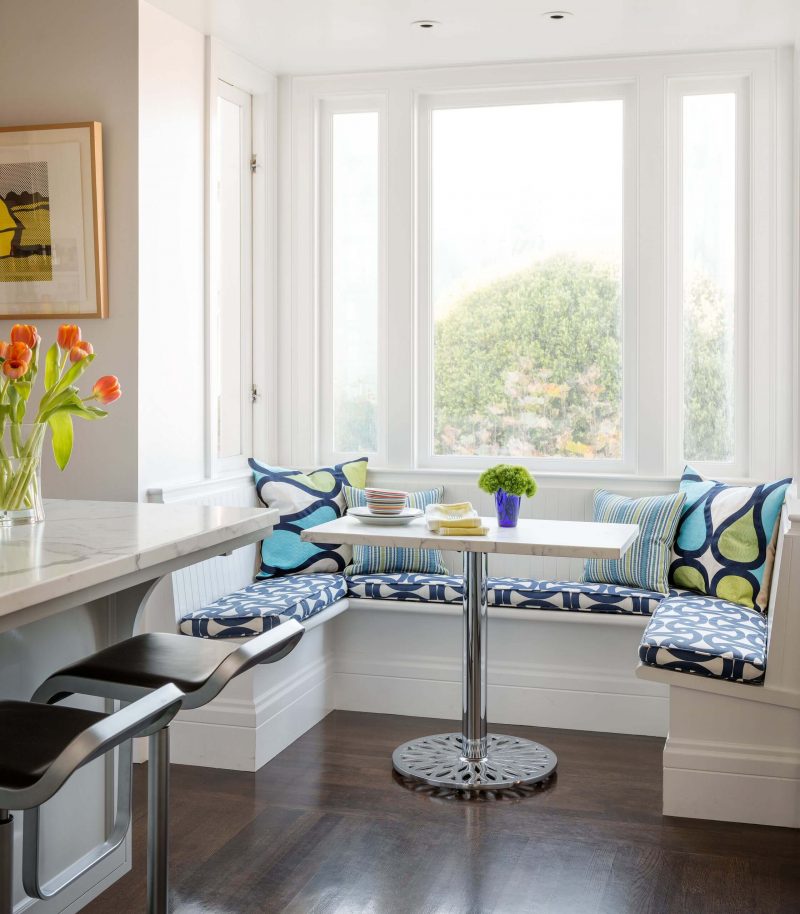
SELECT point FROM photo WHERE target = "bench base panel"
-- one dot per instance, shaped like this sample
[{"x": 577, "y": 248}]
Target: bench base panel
[{"x": 731, "y": 759}]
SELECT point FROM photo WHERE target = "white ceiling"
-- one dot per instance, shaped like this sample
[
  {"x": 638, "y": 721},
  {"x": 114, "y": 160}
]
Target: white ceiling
[{"x": 326, "y": 36}]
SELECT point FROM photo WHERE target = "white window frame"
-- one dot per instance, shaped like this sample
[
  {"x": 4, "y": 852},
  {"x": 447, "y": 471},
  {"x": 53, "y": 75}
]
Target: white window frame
[
  {"x": 260, "y": 329},
  {"x": 427, "y": 104},
  {"x": 678, "y": 89},
  {"x": 244, "y": 101},
  {"x": 327, "y": 109},
  {"x": 654, "y": 330}
]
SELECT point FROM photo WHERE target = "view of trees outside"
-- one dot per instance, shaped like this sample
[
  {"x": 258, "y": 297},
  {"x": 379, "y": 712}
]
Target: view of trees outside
[
  {"x": 527, "y": 255},
  {"x": 354, "y": 279},
  {"x": 709, "y": 248}
]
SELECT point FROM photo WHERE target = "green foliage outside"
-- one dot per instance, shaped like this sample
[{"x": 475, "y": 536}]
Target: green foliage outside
[
  {"x": 708, "y": 374},
  {"x": 515, "y": 480},
  {"x": 530, "y": 365}
]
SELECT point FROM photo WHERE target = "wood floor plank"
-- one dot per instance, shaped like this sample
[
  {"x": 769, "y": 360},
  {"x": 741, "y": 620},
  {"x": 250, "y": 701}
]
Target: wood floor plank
[{"x": 326, "y": 828}]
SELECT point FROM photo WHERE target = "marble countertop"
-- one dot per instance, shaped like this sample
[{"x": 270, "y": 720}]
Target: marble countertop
[
  {"x": 88, "y": 543},
  {"x": 566, "y": 539}
]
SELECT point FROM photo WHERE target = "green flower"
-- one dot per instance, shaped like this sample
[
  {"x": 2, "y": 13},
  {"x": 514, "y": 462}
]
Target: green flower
[{"x": 515, "y": 480}]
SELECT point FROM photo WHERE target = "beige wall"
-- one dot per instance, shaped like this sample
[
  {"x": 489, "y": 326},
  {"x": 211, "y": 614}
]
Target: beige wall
[{"x": 78, "y": 61}]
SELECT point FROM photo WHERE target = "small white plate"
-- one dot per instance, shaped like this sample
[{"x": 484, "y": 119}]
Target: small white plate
[{"x": 382, "y": 520}]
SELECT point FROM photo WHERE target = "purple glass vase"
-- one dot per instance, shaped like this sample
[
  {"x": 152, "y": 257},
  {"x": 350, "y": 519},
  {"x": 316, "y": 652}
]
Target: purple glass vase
[{"x": 507, "y": 508}]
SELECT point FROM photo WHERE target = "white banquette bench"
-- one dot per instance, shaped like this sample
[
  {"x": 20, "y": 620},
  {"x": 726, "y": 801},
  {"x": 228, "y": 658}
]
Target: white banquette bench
[{"x": 392, "y": 646}]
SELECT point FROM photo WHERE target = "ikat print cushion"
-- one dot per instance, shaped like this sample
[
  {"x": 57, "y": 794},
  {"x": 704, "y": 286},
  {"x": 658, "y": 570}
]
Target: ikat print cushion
[
  {"x": 646, "y": 563},
  {"x": 389, "y": 559},
  {"x": 725, "y": 539},
  {"x": 304, "y": 500}
]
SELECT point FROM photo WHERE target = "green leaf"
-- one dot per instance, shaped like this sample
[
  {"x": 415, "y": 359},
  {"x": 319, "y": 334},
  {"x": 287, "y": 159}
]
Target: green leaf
[
  {"x": 51, "y": 366},
  {"x": 61, "y": 426},
  {"x": 75, "y": 372},
  {"x": 83, "y": 412},
  {"x": 23, "y": 388}
]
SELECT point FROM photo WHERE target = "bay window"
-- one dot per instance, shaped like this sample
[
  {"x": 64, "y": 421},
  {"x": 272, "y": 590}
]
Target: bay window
[{"x": 577, "y": 266}]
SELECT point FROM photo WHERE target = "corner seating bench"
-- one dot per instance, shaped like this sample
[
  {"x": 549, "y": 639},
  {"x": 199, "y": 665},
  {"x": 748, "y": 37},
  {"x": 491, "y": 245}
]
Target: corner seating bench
[
  {"x": 687, "y": 633},
  {"x": 733, "y": 676}
]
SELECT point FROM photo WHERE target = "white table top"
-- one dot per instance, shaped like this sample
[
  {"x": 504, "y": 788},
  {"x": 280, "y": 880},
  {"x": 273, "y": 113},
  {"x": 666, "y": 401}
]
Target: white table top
[
  {"x": 86, "y": 543},
  {"x": 568, "y": 539}
]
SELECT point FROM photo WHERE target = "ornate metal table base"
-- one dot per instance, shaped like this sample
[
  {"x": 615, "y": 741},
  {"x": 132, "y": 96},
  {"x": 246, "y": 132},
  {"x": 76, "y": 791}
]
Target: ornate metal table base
[
  {"x": 473, "y": 759},
  {"x": 439, "y": 760}
]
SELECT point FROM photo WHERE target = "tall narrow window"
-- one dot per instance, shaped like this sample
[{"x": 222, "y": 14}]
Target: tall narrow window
[
  {"x": 353, "y": 252},
  {"x": 526, "y": 279},
  {"x": 231, "y": 323},
  {"x": 709, "y": 275}
]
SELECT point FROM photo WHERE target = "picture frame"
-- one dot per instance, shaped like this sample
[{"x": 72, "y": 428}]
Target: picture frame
[{"x": 52, "y": 222}]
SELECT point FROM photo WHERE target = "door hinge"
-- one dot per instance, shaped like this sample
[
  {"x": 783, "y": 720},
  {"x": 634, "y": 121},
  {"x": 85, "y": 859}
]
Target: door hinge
[
  {"x": 253, "y": 163},
  {"x": 255, "y": 393}
]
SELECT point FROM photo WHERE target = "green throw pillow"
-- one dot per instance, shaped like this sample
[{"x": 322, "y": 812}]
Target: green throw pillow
[
  {"x": 725, "y": 536},
  {"x": 391, "y": 560},
  {"x": 646, "y": 563}
]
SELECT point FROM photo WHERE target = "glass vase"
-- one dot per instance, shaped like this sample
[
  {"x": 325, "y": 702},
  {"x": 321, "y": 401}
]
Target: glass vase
[
  {"x": 20, "y": 473},
  {"x": 507, "y": 506}
]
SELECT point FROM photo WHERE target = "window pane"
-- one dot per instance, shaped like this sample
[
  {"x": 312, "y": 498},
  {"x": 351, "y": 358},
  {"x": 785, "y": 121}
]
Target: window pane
[
  {"x": 526, "y": 280},
  {"x": 709, "y": 242},
  {"x": 228, "y": 329},
  {"x": 354, "y": 280}
]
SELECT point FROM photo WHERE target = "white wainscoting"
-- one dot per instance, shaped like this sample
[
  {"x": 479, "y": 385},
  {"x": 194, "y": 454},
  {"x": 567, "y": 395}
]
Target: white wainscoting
[{"x": 545, "y": 669}]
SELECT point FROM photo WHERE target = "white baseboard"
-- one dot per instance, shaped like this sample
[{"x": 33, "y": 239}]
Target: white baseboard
[
  {"x": 562, "y": 704},
  {"x": 260, "y": 713},
  {"x": 756, "y": 799}
]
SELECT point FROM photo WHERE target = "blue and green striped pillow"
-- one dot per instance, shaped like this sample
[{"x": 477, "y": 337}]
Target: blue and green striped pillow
[
  {"x": 389, "y": 559},
  {"x": 646, "y": 563}
]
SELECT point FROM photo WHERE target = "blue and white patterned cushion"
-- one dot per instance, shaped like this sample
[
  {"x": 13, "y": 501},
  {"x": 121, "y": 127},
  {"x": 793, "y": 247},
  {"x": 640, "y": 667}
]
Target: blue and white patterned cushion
[
  {"x": 573, "y": 597},
  {"x": 262, "y": 606},
  {"x": 524, "y": 593},
  {"x": 421, "y": 588},
  {"x": 707, "y": 636}
]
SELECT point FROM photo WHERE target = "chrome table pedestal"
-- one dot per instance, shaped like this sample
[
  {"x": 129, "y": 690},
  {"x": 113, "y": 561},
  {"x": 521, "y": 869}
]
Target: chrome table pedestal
[{"x": 473, "y": 759}]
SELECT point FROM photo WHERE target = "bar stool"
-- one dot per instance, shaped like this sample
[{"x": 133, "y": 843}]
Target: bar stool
[
  {"x": 41, "y": 747},
  {"x": 200, "y": 669}
]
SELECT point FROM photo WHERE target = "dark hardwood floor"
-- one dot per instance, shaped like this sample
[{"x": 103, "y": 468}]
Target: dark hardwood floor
[{"x": 326, "y": 829}]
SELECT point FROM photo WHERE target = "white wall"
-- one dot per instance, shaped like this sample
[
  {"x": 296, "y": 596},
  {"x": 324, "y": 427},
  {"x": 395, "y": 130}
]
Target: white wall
[
  {"x": 78, "y": 61},
  {"x": 171, "y": 249}
]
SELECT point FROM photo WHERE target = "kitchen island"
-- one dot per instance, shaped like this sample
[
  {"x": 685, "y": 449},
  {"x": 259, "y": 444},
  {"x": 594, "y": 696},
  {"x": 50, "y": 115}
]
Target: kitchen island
[{"x": 75, "y": 584}]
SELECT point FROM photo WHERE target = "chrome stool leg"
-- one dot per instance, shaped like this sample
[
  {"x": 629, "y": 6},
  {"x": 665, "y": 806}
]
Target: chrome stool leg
[
  {"x": 158, "y": 823},
  {"x": 6, "y": 862}
]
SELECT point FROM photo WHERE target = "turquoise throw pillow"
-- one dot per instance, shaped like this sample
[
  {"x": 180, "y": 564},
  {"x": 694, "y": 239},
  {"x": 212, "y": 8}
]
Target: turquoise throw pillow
[
  {"x": 304, "y": 500},
  {"x": 724, "y": 547},
  {"x": 388, "y": 559},
  {"x": 646, "y": 563}
]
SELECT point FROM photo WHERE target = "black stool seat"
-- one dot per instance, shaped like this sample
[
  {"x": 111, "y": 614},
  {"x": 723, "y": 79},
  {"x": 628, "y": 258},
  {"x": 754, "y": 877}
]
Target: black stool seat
[
  {"x": 200, "y": 669},
  {"x": 33, "y": 736},
  {"x": 152, "y": 660}
]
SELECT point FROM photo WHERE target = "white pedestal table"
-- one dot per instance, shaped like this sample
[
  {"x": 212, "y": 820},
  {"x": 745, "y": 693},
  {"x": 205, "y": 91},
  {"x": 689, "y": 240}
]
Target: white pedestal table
[{"x": 475, "y": 759}]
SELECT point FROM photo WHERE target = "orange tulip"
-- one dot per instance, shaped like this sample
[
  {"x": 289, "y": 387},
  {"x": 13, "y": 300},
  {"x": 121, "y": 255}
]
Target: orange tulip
[
  {"x": 19, "y": 352},
  {"x": 15, "y": 368},
  {"x": 68, "y": 335},
  {"x": 25, "y": 333},
  {"x": 80, "y": 350},
  {"x": 106, "y": 389},
  {"x": 3, "y": 349}
]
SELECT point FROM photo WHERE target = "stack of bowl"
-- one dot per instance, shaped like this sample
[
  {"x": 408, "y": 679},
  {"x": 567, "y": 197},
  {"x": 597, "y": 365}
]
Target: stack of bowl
[{"x": 386, "y": 502}]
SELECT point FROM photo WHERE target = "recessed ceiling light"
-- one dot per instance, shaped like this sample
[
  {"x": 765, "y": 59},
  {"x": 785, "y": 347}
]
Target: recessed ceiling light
[
  {"x": 425, "y": 23},
  {"x": 557, "y": 14}
]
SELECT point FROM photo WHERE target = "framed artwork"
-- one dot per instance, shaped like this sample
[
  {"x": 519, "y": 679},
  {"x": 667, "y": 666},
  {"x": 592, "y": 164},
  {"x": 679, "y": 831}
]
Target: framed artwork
[{"x": 52, "y": 222}]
